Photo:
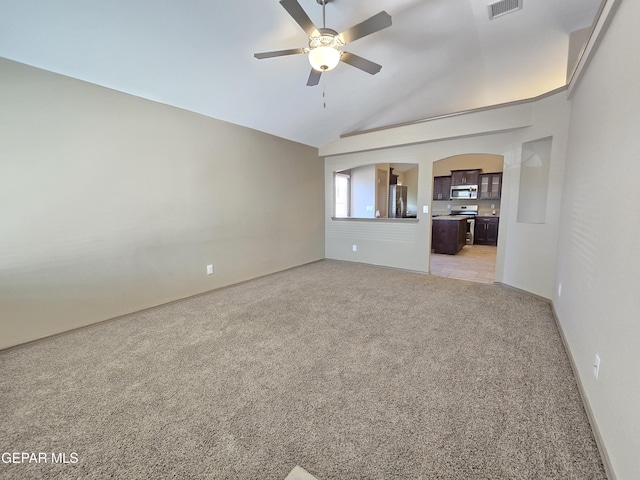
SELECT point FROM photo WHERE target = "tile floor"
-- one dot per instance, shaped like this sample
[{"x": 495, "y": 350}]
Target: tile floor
[{"x": 476, "y": 263}]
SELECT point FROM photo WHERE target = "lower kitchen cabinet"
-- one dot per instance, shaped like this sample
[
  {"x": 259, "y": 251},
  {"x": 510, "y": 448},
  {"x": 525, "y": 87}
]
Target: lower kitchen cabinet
[
  {"x": 486, "y": 231},
  {"x": 448, "y": 234}
]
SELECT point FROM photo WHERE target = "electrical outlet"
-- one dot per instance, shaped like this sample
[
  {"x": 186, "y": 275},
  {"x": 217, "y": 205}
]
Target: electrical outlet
[
  {"x": 354, "y": 248},
  {"x": 493, "y": 205},
  {"x": 425, "y": 209},
  {"x": 209, "y": 269},
  {"x": 596, "y": 366},
  {"x": 559, "y": 289},
  {"x": 369, "y": 208}
]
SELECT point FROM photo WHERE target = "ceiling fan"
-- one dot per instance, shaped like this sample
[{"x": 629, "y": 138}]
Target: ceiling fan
[{"x": 325, "y": 43}]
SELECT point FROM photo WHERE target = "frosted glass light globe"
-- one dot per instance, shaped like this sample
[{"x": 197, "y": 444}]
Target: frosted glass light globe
[{"x": 324, "y": 58}]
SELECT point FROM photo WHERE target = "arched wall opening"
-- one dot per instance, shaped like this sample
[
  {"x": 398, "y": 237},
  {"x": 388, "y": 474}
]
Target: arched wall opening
[{"x": 472, "y": 254}]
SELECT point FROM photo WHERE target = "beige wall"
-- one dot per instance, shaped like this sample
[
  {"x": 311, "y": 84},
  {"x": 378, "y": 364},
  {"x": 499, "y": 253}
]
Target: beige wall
[
  {"x": 363, "y": 191},
  {"x": 488, "y": 164},
  {"x": 577, "y": 41},
  {"x": 598, "y": 267},
  {"x": 410, "y": 179},
  {"x": 111, "y": 203}
]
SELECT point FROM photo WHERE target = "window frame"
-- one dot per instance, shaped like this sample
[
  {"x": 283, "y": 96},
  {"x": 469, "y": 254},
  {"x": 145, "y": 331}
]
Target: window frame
[{"x": 336, "y": 202}]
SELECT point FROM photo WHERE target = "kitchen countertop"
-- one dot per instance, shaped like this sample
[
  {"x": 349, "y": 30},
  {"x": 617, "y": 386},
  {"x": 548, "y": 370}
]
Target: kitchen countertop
[
  {"x": 483, "y": 215},
  {"x": 413, "y": 219},
  {"x": 450, "y": 217}
]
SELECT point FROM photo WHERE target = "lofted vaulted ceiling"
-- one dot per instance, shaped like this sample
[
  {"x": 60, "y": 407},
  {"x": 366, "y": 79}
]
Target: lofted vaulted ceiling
[{"x": 438, "y": 57}]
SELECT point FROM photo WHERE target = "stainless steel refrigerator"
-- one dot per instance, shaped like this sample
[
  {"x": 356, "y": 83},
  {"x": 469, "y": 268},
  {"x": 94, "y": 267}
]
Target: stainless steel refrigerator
[{"x": 397, "y": 201}]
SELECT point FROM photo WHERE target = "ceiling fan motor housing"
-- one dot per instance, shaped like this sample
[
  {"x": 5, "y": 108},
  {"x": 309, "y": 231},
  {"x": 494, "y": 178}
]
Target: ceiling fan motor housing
[{"x": 326, "y": 38}]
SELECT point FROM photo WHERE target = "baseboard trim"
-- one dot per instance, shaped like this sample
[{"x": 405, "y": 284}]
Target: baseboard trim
[
  {"x": 602, "y": 448},
  {"x": 397, "y": 269},
  {"x": 516, "y": 289},
  {"x": 152, "y": 307}
]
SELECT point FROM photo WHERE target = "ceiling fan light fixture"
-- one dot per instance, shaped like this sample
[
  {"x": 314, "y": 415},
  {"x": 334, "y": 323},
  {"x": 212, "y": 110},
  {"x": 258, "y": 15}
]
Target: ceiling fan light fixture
[
  {"x": 324, "y": 58},
  {"x": 325, "y": 44}
]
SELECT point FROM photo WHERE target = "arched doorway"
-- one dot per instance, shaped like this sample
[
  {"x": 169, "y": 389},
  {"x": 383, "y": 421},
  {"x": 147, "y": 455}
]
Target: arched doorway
[{"x": 467, "y": 187}]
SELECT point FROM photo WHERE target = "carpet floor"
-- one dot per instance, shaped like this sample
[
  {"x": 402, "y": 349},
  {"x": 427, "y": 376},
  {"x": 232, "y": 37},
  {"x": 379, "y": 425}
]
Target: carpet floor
[{"x": 350, "y": 371}]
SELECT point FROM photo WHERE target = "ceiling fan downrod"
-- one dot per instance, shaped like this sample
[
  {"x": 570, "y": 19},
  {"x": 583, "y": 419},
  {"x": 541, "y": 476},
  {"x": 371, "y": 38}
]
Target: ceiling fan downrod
[{"x": 324, "y": 17}]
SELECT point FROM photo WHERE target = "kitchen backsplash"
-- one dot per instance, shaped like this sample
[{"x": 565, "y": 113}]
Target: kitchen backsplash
[{"x": 439, "y": 207}]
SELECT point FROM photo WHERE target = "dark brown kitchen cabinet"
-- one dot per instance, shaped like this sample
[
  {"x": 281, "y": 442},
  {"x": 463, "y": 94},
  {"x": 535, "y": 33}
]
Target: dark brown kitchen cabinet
[
  {"x": 465, "y": 177},
  {"x": 490, "y": 186},
  {"x": 441, "y": 188},
  {"x": 486, "y": 231},
  {"x": 448, "y": 234}
]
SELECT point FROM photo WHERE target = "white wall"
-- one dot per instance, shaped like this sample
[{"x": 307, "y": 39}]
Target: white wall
[
  {"x": 529, "y": 250},
  {"x": 598, "y": 267},
  {"x": 110, "y": 203},
  {"x": 526, "y": 253},
  {"x": 534, "y": 181}
]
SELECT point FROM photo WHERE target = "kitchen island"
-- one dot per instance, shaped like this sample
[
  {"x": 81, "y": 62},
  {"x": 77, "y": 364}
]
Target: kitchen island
[{"x": 448, "y": 234}]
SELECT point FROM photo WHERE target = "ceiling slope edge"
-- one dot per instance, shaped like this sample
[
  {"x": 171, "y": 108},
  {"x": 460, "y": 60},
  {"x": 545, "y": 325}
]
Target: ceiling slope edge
[{"x": 490, "y": 120}]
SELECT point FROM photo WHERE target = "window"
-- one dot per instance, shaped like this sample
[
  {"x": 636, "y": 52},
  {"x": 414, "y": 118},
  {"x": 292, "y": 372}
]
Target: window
[{"x": 342, "y": 190}]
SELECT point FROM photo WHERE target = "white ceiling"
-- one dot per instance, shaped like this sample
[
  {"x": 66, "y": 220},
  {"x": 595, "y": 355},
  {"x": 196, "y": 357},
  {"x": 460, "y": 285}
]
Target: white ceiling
[{"x": 438, "y": 57}]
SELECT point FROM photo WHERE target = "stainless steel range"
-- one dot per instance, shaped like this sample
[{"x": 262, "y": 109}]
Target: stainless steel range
[{"x": 470, "y": 211}]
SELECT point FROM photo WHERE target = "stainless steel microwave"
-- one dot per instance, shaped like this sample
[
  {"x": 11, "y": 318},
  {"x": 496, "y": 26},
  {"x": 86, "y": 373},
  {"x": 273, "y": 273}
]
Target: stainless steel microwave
[{"x": 464, "y": 192}]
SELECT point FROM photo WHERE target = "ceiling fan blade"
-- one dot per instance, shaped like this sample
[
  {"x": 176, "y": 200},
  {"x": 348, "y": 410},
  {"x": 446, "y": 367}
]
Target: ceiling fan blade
[
  {"x": 279, "y": 53},
  {"x": 369, "y": 26},
  {"x": 300, "y": 16},
  {"x": 361, "y": 63},
  {"x": 314, "y": 78}
]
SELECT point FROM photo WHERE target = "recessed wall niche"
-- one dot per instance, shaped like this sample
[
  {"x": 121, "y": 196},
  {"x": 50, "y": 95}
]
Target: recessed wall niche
[{"x": 534, "y": 181}]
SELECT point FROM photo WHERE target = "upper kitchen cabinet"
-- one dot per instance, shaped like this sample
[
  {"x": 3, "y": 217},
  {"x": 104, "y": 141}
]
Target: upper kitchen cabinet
[
  {"x": 465, "y": 177},
  {"x": 490, "y": 186},
  {"x": 441, "y": 188}
]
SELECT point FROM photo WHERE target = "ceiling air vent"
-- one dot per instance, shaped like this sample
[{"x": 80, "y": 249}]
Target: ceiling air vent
[{"x": 503, "y": 7}]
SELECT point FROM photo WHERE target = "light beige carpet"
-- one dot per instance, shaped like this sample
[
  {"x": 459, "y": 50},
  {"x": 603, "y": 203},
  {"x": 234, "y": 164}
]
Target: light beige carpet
[{"x": 352, "y": 371}]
